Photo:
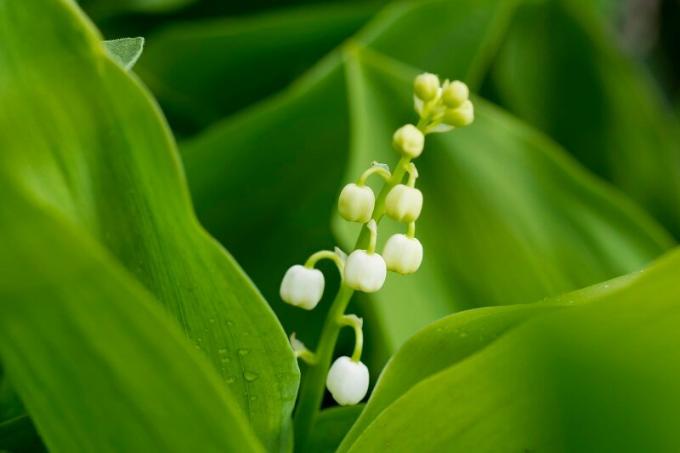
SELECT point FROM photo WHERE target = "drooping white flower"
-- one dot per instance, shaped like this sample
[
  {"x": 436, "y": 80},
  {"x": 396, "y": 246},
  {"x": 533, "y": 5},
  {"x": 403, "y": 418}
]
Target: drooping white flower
[
  {"x": 426, "y": 86},
  {"x": 302, "y": 287},
  {"x": 403, "y": 254},
  {"x": 409, "y": 140},
  {"x": 454, "y": 94},
  {"x": 356, "y": 203},
  {"x": 347, "y": 381},
  {"x": 404, "y": 203},
  {"x": 365, "y": 271},
  {"x": 460, "y": 116}
]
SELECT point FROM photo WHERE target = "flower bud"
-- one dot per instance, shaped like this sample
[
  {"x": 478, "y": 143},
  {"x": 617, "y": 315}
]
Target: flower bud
[
  {"x": 426, "y": 86},
  {"x": 461, "y": 116},
  {"x": 347, "y": 381},
  {"x": 454, "y": 94},
  {"x": 302, "y": 287},
  {"x": 356, "y": 203},
  {"x": 409, "y": 140},
  {"x": 404, "y": 203},
  {"x": 403, "y": 254},
  {"x": 365, "y": 271}
]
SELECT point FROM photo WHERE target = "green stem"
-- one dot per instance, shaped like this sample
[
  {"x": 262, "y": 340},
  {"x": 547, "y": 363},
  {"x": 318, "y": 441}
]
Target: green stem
[
  {"x": 314, "y": 382},
  {"x": 355, "y": 323},
  {"x": 325, "y": 254}
]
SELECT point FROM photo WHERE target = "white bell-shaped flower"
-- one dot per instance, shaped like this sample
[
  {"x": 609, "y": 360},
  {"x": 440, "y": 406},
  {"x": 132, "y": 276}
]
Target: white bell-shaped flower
[
  {"x": 454, "y": 94},
  {"x": 460, "y": 116},
  {"x": 356, "y": 203},
  {"x": 409, "y": 140},
  {"x": 347, "y": 381},
  {"x": 426, "y": 86},
  {"x": 302, "y": 287},
  {"x": 403, "y": 254},
  {"x": 404, "y": 203},
  {"x": 365, "y": 271}
]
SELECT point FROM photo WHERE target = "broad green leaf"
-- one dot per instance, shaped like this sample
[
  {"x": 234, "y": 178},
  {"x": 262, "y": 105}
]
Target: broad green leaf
[
  {"x": 203, "y": 70},
  {"x": 600, "y": 374},
  {"x": 452, "y": 340},
  {"x": 560, "y": 70},
  {"x": 508, "y": 218},
  {"x": 331, "y": 426},
  {"x": 98, "y": 363},
  {"x": 125, "y": 51},
  {"x": 82, "y": 137}
]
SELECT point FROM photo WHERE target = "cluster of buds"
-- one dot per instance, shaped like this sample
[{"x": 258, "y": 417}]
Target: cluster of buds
[{"x": 441, "y": 107}]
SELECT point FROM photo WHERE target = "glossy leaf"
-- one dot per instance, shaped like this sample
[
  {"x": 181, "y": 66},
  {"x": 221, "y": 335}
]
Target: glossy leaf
[
  {"x": 566, "y": 380},
  {"x": 98, "y": 363},
  {"x": 452, "y": 340},
  {"x": 125, "y": 51},
  {"x": 508, "y": 218},
  {"x": 85, "y": 140},
  {"x": 559, "y": 69}
]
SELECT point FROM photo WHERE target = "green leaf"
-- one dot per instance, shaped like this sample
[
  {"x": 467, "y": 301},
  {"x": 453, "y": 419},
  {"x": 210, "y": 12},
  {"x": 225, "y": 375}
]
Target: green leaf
[
  {"x": 98, "y": 363},
  {"x": 452, "y": 340},
  {"x": 599, "y": 374},
  {"x": 330, "y": 428},
  {"x": 508, "y": 218},
  {"x": 204, "y": 70},
  {"x": 125, "y": 51},
  {"x": 85, "y": 140},
  {"x": 607, "y": 113}
]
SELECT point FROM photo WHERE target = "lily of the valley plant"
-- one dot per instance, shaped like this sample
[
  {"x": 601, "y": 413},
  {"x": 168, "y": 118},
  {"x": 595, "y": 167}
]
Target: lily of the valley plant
[{"x": 441, "y": 107}]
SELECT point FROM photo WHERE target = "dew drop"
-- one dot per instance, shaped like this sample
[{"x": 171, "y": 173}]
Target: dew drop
[
  {"x": 250, "y": 376},
  {"x": 230, "y": 380},
  {"x": 243, "y": 352},
  {"x": 222, "y": 351}
]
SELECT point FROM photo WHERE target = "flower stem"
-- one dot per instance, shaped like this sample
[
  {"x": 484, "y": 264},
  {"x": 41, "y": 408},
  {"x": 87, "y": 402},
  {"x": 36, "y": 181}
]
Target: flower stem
[{"x": 314, "y": 381}]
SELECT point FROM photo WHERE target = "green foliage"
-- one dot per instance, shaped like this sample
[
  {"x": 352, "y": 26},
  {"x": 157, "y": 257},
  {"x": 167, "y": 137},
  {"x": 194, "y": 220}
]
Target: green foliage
[
  {"x": 106, "y": 168},
  {"x": 542, "y": 377},
  {"x": 124, "y": 326}
]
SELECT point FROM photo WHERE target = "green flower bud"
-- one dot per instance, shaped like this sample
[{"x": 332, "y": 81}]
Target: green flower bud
[
  {"x": 409, "y": 140},
  {"x": 426, "y": 86},
  {"x": 454, "y": 94},
  {"x": 461, "y": 116}
]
